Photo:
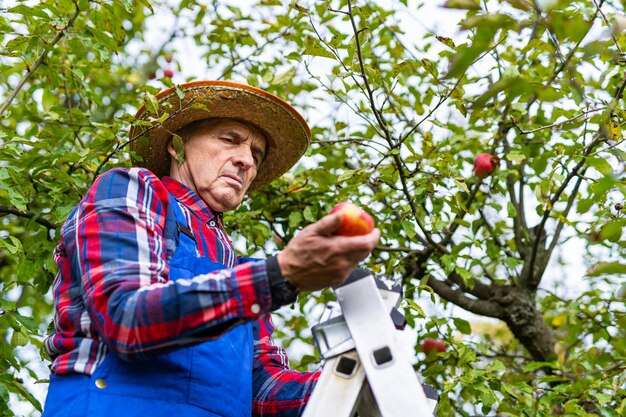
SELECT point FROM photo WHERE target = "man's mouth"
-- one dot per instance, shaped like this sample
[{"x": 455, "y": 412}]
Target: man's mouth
[{"x": 233, "y": 178}]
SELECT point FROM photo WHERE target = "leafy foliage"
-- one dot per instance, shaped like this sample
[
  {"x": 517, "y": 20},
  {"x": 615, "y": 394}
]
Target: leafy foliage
[{"x": 397, "y": 120}]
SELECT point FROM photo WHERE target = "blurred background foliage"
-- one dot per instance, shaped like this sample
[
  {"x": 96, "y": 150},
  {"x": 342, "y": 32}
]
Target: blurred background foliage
[{"x": 519, "y": 273}]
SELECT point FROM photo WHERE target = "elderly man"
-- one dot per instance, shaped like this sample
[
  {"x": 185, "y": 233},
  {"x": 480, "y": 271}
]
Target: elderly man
[{"x": 155, "y": 314}]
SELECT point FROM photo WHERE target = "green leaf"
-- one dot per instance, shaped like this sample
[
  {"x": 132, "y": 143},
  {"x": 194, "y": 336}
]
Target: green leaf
[
  {"x": 466, "y": 276},
  {"x": 78, "y": 73},
  {"x": 534, "y": 366},
  {"x": 152, "y": 104},
  {"x": 4, "y": 393},
  {"x": 19, "y": 339},
  {"x": 301, "y": 9},
  {"x": 179, "y": 148},
  {"x": 162, "y": 118},
  {"x": 606, "y": 268},
  {"x": 414, "y": 306},
  {"x": 346, "y": 175},
  {"x": 462, "y": 4},
  {"x": 409, "y": 228},
  {"x": 446, "y": 41},
  {"x": 295, "y": 219},
  {"x": 309, "y": 215},
  {"x": 313, "y": 46},
  {"x": 285, "y": 77},
  {"x": 462, "y": 325},
  {"x": 406, "y": 65},
  {"x": 515, "y": 157},
  {"x": 19, "y": 388},
  {"x": 525, "y": 5},
  {"x": 28, "y": 11},
  {"x": 128, "y": 5},
  {"x": 612, "y": 230},
  {"x": 460, "y": 182},
  {"x": 584, "y": 205},
  {"x": 601, "y": 165},
  {"x": 511, "y": 210},
  {"x": 180, "y": 93},
  {"x": 13, "y": 247},
  {"x": 430, "y": 66},
  {"x": 28, "y": 322},
  {"x": 16, "y": 198}
]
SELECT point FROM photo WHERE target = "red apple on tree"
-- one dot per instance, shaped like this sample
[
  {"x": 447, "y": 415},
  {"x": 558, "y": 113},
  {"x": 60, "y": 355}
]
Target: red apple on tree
[
  {"x": 354, "y": 220},
  {"x": 168, "y": 73},
  {"x": 433, "y": 345},
  {"x": 485, "y": 164}
]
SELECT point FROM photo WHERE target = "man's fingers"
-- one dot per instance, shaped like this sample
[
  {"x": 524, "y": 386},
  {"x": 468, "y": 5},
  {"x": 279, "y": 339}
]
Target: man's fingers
[
  {"x": 360, "y": 242},
  {"x": 327, "y": 224}
]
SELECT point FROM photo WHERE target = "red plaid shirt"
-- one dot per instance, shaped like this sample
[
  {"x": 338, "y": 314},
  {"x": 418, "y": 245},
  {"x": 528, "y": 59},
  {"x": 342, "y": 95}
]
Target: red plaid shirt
[{"x": 112, "y": 286}]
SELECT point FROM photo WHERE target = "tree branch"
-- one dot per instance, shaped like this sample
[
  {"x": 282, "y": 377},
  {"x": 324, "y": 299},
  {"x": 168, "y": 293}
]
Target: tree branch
[
  {"x": 28, "y": 215},
  {"x": 458, "y": 297},
  {"x": 530, "y": 281},
  {"x": 519, "y": 221},
  {"x": 387, "y": 135},
  {"x": 559, "y": 226}
]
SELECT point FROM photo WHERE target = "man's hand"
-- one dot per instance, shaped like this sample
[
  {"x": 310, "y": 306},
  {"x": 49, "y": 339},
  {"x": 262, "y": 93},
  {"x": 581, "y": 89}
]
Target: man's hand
[{"x": 315, "y": 259}]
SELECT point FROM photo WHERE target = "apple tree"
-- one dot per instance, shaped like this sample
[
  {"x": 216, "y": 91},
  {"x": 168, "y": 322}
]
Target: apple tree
[{"x": 399, "y": 111}]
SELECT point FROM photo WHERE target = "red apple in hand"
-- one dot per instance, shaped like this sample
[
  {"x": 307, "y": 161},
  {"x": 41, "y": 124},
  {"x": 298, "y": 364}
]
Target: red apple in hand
[
  {"x": 485, "y": 164},
  {"x": 433, "y": 345},
  {"x": 354, "y": 220}
]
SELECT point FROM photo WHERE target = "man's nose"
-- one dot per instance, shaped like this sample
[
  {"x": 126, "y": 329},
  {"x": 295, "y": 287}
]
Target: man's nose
[{"x": 243, "y": 157}]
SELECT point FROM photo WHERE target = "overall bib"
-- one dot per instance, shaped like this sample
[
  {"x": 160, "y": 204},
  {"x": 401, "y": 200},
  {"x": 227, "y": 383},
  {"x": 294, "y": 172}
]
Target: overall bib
[{"x": 211, "y": 379}]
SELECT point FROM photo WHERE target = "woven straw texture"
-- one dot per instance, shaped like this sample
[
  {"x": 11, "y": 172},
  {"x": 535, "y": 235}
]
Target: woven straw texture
[{"x": 287, "y": 133}]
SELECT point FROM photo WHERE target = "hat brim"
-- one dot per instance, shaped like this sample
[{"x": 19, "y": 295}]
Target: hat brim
[{"x": 287, "y": 132}]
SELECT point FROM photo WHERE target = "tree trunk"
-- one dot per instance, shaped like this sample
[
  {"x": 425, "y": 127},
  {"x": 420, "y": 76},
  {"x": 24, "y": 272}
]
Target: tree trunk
[{"x": 525, "y": 321}]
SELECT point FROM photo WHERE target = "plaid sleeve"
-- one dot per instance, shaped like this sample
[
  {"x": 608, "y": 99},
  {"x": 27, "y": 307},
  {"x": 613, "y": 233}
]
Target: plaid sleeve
[
  {"x": 277, "y": 390},
  {"x": 119, "y": 251}
]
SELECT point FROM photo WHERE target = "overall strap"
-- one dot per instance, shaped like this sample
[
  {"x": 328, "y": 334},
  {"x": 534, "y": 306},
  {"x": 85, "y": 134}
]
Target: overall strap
[{"x": 181, "y": 235}]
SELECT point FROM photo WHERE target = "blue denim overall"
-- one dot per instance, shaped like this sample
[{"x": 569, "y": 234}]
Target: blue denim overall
[{"x": 210, "y": 379}]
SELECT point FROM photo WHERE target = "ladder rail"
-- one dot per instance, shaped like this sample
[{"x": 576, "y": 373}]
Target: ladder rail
[{"x": 365, "y": 371}]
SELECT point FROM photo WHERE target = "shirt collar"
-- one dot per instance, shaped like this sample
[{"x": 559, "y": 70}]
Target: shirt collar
[{"x": 190, "y": 199}]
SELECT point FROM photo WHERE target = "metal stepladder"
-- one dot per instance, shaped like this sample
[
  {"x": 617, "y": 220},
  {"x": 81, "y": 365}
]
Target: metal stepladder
[{"x": 365, "y": 373}]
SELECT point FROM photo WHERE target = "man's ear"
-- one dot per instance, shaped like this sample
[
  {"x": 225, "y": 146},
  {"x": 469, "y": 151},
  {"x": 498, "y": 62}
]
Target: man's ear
[
  {"x": 176, "y": 149},
  {"x": 170, "y": 149}
]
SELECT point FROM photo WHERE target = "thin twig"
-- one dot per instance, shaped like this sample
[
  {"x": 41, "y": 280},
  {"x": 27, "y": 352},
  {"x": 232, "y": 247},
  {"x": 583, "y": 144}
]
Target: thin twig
[
  {"x": 257, "y": 51},
  {"x": 598, "y": 139},
  {"x": 569, "y": 56},
  {"x": 553, "y": 125},
  {"x": 599, "y": 10}
]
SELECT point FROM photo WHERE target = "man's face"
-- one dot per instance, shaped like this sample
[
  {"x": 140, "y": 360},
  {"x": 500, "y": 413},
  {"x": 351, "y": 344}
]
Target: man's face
[{"x": 221, "y": 160}]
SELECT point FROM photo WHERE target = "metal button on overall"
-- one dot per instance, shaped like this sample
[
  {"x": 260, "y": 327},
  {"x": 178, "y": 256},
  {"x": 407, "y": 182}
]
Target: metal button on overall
[{"x": 101, "y": 383}]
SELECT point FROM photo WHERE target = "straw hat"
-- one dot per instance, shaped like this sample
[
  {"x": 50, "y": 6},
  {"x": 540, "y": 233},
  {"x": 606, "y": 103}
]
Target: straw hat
[{"x": 287, "y": 133}]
